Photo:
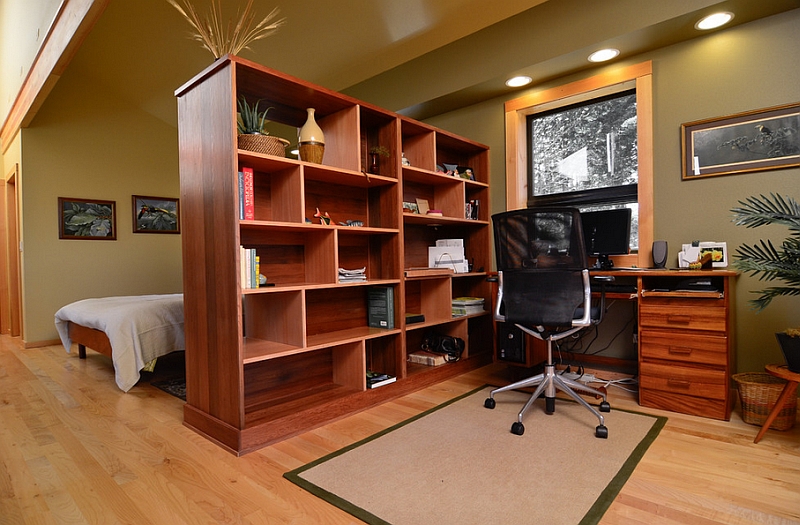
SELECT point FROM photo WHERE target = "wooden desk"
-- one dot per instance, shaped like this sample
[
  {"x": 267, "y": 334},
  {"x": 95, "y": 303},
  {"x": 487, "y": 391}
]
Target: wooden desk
[
  {"x": 685, "y": 354},
  {"x": 685, "y": 340}
]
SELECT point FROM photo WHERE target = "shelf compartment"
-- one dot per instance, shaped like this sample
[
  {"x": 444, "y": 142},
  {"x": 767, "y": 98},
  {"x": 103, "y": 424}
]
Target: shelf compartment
[
  {"x": 276, "y": 189},
  {"x": 448, "y": 197},
  {"x": 379, "y": 129},
  {"x": 418, "y": 236},
  {"x": 454, "y": 328},
  {"x": 373, "y": 206},
  {"x": 302, "y": 381},
  {"x": 378, "y": 253},
  {"x": 419, "y": 145},
  {"x": 384, "y": 355},
  {"x": 270, "y": 325},
  {"x": 338, "y": 314},
  {"x": 431, "y": 298},
  {"x": 293, "y": 254},
  {"x": 462, "y": 152}
]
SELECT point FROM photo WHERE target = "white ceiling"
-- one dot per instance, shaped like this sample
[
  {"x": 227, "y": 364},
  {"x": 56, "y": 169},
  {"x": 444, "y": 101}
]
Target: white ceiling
[{"x": 420, "y": 57}]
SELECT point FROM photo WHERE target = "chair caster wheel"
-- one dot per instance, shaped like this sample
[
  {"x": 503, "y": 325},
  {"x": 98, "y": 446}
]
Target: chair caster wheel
[
  {"x": 601, "y": 431},
  {"x": 489, "y": 403},
  {"x": 605, "y": 407},
  {"x": 518, "y": 428}
]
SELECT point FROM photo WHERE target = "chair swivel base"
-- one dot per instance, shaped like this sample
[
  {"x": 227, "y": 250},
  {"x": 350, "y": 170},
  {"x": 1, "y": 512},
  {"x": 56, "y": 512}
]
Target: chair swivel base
[{"x": 547, "y": 383}]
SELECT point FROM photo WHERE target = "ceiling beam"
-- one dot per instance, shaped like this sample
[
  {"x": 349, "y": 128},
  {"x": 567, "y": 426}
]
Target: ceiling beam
[{"x": 74, "y": 20}]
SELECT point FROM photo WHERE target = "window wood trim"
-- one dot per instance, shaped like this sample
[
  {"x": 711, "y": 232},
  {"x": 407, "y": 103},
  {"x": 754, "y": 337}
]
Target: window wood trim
[{"x": 517, "y": 152}]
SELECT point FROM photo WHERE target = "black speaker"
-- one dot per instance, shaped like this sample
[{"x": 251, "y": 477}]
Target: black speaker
[{"x": 660, "y": 254}]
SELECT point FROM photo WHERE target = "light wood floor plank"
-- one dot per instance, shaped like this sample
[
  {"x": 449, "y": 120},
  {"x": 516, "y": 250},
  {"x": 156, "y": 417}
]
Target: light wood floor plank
[{"x": 75, "y": 449}]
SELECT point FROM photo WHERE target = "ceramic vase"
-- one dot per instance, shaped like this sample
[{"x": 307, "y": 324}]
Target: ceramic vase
[{"x": 311, "y": 140}]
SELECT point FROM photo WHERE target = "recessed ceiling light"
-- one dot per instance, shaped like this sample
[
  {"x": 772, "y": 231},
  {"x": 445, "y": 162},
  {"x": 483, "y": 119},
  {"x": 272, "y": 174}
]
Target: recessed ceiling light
[
  {"x": 603, "y": 55},
  {"x": 714, "y": 21},
  {"x": 518, "y": 81}
]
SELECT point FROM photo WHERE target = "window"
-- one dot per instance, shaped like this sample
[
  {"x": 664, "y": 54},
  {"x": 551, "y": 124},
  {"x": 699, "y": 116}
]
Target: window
[
  {"x": 586, "y": 144},
  {"x": 584, "y": 154}
]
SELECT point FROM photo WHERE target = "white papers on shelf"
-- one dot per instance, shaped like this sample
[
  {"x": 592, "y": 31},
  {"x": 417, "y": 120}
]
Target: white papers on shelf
[{"x": 350, "y": 276}]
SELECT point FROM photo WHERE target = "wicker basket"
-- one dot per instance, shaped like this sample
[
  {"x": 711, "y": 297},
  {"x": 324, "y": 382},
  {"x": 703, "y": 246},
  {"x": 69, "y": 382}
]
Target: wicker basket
[
  {"x": 758, "y": 393},
  {"x": 264, "y": 144}
]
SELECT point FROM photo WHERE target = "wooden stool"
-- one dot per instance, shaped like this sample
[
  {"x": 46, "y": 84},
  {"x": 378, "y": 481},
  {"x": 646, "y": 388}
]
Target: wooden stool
[{"x": 792, "y": 378}]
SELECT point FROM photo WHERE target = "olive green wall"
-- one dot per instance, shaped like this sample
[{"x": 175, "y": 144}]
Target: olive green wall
[
  {"x": 747, "y": 67},
  {"x": 87, "y": 143}
]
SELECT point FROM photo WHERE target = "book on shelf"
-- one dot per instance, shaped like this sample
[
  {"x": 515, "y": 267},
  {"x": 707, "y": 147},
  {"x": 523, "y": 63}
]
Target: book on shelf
[
  {"x": 380, "y": 307},
  {"x": 467, "y": 301},
  {"x": 412, "y": 318},
  {"x": 241, "y": 195},
  {"x": 425, "y": 271},
  {"x": 376, "y": 379},
  {"x": 248, "y": 195},
  {"x": 423, "y": 357}
]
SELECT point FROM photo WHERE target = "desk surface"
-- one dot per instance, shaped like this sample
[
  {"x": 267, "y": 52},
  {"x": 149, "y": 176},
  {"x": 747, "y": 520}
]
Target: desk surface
[{"x": 664, "y": 272}]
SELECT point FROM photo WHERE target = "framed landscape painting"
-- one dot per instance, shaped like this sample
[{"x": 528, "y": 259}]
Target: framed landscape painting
[
  {"x": 156, "y": 215},
  {"x": 87, "y": 219},
  {"x": 763, "y": 139}
]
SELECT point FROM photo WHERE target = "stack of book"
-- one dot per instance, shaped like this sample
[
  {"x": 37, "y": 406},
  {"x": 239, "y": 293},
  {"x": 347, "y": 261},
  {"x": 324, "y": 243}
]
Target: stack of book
[
  {"x": 352, "y": 276},
  {"x": 422, "y": 357},
  {"x": 467, "y": 305},
  {"x": 375, "y": 379},
  {"x": 250, "y": 269}
]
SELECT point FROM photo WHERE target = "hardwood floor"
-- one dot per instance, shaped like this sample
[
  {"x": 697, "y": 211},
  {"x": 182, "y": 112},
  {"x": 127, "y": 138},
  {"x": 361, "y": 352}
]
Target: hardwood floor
[{"x": 75, "y": 449}]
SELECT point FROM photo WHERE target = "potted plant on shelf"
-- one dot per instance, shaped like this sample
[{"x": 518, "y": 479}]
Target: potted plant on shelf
[
  {"x": 252, "y": 135},
  {"x": 770, "y": 263},
  {"x": 375, "y": 153}
]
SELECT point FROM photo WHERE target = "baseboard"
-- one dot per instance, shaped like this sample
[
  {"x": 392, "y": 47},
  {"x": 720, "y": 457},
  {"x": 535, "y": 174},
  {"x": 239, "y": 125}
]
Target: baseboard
[{"x": 39, "y": 344}]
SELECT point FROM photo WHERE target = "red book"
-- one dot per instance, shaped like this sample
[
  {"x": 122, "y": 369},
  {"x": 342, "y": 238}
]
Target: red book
[{"x": 249, "y": 205}]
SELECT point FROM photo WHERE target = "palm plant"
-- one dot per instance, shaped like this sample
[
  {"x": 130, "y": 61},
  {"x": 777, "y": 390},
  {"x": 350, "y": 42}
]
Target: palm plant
[
  {"x": 220, "y": 40},
  {"x": 765, "y": 260}
]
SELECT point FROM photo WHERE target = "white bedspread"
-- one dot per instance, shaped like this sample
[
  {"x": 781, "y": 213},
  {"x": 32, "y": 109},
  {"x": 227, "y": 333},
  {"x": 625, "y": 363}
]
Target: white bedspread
[{"x": 140, "y": 329}]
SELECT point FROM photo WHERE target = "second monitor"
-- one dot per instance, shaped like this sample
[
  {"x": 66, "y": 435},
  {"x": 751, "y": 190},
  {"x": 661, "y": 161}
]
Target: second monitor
[{"x": 605, "y": 233}]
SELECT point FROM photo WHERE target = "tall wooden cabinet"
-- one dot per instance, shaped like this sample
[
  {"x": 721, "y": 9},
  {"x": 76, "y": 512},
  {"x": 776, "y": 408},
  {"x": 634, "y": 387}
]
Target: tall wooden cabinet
[{"x": 266, "y": 363}]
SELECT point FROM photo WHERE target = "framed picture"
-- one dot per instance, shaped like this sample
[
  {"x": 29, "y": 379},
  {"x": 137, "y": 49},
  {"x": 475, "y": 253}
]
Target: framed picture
[
  {"x": 87, "y": 219},
  {"x": 764, "y": 139},
  {"x": 156, "y": 215}
]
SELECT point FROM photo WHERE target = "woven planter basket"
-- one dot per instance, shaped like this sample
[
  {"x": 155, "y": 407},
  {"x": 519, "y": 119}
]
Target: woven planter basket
[
  {"x": 264, "y": 144},
  {"x": 758, "y": 393}
]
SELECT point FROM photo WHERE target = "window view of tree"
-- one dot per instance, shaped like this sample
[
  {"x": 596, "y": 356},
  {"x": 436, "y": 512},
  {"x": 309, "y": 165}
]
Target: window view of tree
[{"x": 585, "y": 155}]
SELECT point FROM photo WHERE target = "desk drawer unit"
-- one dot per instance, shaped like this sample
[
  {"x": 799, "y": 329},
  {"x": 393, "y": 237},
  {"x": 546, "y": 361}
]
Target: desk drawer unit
[{"x": 684, "y": 355}]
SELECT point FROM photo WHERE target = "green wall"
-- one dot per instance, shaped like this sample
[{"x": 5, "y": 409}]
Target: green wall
[
  {"x": 747, "y": 67},
  {"x": 87, "y": 142}
]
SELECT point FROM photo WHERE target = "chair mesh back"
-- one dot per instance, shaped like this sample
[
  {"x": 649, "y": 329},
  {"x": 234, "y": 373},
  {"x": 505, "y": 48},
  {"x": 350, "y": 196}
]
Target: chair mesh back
[{"x": 541, "y": 254}]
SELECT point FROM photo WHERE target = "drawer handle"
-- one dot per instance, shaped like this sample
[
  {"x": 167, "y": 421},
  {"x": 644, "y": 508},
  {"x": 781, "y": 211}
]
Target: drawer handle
[
  {"x": 680, "y": 350},
  {"x": 678, "y": 383},
  {"x": 683, "y": 319}
]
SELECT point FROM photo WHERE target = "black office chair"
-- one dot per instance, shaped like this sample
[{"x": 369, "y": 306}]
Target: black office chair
[{"x": 545, "y": 290}]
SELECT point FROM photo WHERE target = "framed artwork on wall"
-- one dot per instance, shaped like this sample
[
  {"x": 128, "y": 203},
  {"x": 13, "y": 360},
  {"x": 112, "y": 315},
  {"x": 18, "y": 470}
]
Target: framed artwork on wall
[
  {"x": 88, "y": 219},
  {"x": 156, "y": 215},
  {"x": 764, "y": 139}
]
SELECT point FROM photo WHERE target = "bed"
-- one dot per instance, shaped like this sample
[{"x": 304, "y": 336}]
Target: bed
[{"x": 131, "y": 330}]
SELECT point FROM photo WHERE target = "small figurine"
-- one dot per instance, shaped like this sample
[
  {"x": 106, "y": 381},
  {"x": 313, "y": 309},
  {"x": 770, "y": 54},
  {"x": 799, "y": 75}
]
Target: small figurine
[{"x": 323, "y": 218}]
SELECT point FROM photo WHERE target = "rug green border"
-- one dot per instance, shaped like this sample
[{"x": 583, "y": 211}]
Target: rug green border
[{"x": 592, "y": 516}]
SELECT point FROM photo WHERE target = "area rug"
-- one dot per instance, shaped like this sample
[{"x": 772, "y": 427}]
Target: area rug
[
  {"x": 460, "y": 464},
  {"x": 175, "y": 387}
]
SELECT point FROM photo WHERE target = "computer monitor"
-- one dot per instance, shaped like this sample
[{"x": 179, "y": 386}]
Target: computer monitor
[{"x": 606, "y": 232}]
